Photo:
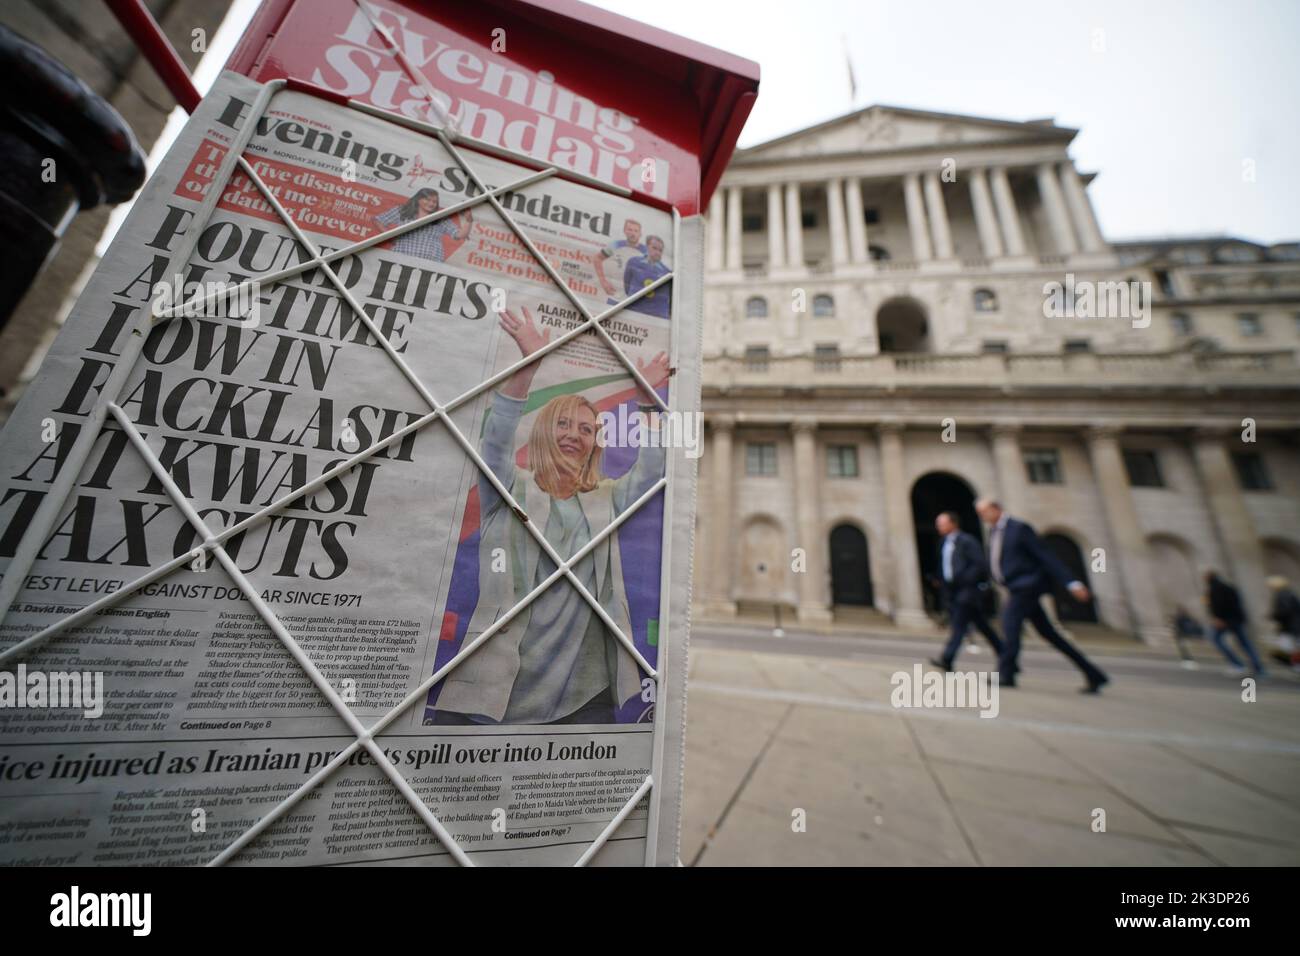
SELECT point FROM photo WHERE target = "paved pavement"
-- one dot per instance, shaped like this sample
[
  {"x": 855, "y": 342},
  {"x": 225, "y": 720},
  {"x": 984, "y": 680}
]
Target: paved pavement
[{"x": 1186, "y": 771}]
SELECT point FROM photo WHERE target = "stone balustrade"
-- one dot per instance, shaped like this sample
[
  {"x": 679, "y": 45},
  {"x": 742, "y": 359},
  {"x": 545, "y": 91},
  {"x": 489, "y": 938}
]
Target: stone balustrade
[{"x": 1189, "y": 368}]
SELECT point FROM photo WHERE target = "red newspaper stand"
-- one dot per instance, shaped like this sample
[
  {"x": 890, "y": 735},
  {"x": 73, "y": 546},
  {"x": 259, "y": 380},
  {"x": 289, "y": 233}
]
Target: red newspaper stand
[
  {"x": 631, "y": 125},
  {"x": 562, "y": 81}
]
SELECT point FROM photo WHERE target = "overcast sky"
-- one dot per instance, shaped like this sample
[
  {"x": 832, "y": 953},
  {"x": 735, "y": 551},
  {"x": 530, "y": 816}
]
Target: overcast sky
[
  {"x": 1171, "y": 97},
  {"x": 1184, "y": 91}
]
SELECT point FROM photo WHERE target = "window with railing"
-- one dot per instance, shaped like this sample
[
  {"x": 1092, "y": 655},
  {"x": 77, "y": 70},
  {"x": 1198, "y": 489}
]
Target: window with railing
[
  {"x": 1251, "y": 473},
  {"x": 760, "y": 458},
  {"x": 1237, "y": 253},
  {"x": 1165, "y": 282},
  {"x": 826, "y": 358},
  {"x": 1143, "y": 468},
  {"x": 756, "y": 358},
  {"x": 1043, "y": 466},
  {"x": 842, "y": 461}
]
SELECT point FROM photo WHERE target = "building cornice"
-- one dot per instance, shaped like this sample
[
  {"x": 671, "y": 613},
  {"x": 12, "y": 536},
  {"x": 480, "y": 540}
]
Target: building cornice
[
  {"x": 1091, "y": 422},
  {"x": 1175, "y": 391},
  {"x": 1038, "y": 129},
  {"x": 1292, "y": 300},
  {"x": 882, "y": 163}
]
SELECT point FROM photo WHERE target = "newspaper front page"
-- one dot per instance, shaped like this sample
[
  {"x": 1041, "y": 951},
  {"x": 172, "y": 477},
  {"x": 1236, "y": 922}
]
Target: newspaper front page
[{"x": 161, "y": 729}]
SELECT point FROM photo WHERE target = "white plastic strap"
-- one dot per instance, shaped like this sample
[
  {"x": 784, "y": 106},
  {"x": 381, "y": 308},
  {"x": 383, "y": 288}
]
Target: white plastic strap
[{"x": 613, "y": 825}]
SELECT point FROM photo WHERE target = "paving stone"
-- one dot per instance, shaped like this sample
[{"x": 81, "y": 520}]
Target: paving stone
[
  {"x": 1188, "y": 775},
  {"x": 1011, "y": 839},
  {"x": 1237, "y": 851},
  {"x": 1069, "y": 802}
]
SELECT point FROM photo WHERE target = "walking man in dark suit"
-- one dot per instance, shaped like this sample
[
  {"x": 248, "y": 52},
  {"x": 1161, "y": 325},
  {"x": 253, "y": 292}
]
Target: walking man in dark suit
[
  {"x": 965, "y": 578},
  {"x": 1021, "y": 563},
  {"x": 1228, "y": 616}
]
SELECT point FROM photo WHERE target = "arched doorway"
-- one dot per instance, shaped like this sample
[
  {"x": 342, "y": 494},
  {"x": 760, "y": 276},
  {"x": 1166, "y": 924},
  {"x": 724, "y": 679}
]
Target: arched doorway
[
  {"x": 902, "y": 326},
  {"x": 1067, "y": 608},
  {"x": 764, "y": 558},
  {"x": 932, "y": 494},
  {"x": 1177, "y": 583},
  {"x": 850, "y": 567}
]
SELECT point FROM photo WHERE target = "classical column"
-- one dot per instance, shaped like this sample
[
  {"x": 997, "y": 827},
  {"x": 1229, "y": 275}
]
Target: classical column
[
  {"x": 839, "y": 233},
  {"x": 733, "y": 229},
  {"x": 793, "y": 227},
  {"x": 909, "y": 611},
  {"x": 1010, "y": 467},
  {"x": 1133, "y": 564},
  {"x": 859, "y": 251},
  {"x": 1085, "y": 220},
  {"x": 1049, "y": 192},
  {"x": 714, "y": 258},
  {"x": 1233, "y": 522},
  {"x": 1009, "y": 217},
  {"x": 722, "y": 561},
  {"x": 985, "y": 218},
  {"x": 814, "y": 602},
  {"x": 916, "y": 223},
  {"x": 938, "y": 216},
  {"x": 775, "y": 228}
]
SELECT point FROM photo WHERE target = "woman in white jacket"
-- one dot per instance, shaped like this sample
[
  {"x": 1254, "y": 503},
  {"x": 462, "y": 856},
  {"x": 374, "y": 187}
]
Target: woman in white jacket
[{"x": 556, "y": 661}]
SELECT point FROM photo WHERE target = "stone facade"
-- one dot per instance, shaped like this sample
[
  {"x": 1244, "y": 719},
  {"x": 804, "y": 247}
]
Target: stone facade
[{"x": 883, "y": 339}]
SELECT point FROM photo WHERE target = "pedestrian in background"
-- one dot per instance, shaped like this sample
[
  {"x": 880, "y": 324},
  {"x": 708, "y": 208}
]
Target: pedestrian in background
[
  {"x": 1286, "y": 614},
  {"x": 1186, "y": 628},
  {"x": 1228, "y": 616}
]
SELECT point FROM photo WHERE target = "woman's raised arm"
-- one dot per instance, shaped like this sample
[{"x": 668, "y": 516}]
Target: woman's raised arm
[{"x": 526, "y": 335}]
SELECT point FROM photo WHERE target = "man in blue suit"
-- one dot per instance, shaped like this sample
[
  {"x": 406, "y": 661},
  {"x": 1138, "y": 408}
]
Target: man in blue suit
[
  {"x": 965, "y": 575},
  {"x": 1022, "y": 564}
]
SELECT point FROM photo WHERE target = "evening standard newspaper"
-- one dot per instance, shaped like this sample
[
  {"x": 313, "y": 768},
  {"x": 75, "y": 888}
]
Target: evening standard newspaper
[{"x": 203, "y": 720}]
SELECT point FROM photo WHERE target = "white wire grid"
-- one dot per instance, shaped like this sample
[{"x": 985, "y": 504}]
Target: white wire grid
[{"x": 213, "y": 542}]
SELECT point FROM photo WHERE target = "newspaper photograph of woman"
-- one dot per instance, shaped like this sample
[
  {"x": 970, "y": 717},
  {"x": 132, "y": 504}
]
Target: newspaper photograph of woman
[
  {"x": 436, "y": 241},
  {"x": 556, "y": 661}
]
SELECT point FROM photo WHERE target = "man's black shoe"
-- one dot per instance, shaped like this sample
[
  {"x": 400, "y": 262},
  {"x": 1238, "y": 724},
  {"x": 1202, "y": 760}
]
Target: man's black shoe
[
  {"x": 943, "y": 666},
  {"x": 1095, "y": 685}
]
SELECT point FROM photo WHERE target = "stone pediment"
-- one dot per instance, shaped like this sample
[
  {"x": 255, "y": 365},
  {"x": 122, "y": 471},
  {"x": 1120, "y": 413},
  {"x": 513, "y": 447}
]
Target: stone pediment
[{"x": 886, "y": 128}]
